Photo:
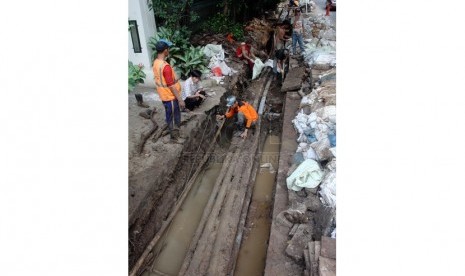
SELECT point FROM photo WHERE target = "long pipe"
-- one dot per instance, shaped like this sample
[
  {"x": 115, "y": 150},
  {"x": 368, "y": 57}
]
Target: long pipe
[{"x": 262, "y": 102}]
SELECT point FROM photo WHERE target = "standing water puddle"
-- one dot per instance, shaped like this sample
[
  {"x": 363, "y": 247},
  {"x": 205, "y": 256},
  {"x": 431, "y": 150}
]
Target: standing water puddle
[
  {"x": 177, "y": 239},
  {"x": 252, "y": 254}
]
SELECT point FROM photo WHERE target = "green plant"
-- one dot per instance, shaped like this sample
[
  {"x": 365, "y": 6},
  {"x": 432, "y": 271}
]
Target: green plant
[
  {"x": 135, "y": 75},
  {"x": 221, "y": 24},
  {"x": 179, "y": 38},
  {"x": 183, "y": 56},
  {"x": 193, "y": 58}
]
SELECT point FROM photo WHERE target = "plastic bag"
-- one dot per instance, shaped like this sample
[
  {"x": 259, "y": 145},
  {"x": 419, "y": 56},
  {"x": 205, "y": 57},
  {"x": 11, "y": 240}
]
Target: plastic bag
[
  {"x": 225, "y": 69},
  {"x": 217, "y": 71},
  {"x": 211, "y": 50},
  {"x": 307, "y": 175},
  {"x": 257, "y": 68},
  {"x": 311, "y": 154}
]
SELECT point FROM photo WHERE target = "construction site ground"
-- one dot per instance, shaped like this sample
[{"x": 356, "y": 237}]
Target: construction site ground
[{"x": 161, "y": 170}]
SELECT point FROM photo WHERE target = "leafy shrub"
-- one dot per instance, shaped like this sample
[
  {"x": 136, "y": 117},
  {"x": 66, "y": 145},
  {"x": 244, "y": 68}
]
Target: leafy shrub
[
  {"x": 221, "y": 24},
  {"x": 135, "y": 75},
  {"x": 193, "y": 58},
  {"x": 183, "y": 56},
  {"x": 178, "y": 37}
]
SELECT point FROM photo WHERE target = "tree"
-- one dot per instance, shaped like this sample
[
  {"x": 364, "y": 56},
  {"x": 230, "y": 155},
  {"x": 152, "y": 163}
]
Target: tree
[{"x": 173, "y": 13}]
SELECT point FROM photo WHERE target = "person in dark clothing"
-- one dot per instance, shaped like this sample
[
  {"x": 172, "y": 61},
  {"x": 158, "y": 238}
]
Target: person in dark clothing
[{"x": 192, "y": 94}]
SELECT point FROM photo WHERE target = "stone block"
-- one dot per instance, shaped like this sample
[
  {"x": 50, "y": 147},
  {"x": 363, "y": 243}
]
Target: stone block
[
  {"x": 327, "y": 266},
  {"x": 328, "y": 247}
]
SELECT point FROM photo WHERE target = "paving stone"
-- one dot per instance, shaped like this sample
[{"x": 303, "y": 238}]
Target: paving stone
[
  {"x": 328, "y": 247},
  {"x": 327, "y": 266},
  {"x": 293, "y": 79}
]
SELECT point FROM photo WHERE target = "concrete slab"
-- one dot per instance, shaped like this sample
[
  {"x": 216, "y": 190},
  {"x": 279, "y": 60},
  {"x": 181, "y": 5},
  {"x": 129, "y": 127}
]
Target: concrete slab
[
  {"x": 279, "y": 232},
  {"x": 293, "y": 79}
]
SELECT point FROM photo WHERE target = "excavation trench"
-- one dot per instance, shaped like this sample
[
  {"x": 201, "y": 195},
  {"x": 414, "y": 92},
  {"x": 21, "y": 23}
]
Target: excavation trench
[
  {"x": 209, "y": 226},
  {"x": 252, "y": 254},
  {"x": 172, "y": 247}
]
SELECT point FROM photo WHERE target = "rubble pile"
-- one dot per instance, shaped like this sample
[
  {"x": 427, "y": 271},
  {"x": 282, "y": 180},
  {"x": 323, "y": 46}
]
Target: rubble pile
[
  {"x": 311, "y": 179},
  {"x": 320, "y": 52}
]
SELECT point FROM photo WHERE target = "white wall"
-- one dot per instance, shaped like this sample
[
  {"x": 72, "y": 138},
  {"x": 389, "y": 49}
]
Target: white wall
[{"x": 138, "y": 10}]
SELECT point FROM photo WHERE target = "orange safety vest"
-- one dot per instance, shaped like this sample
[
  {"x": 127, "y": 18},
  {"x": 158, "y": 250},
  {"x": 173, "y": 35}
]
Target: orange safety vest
[
  {"x": 160, "y": 83},
  {"x": 249, "y": 113}
]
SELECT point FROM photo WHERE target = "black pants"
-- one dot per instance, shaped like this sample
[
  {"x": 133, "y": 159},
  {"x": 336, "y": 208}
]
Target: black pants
[{"x": 192, "y": 103}]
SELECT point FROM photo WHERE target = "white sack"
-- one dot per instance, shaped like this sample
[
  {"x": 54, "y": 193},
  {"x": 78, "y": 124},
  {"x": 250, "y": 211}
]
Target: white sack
[
  {"x": 307, "y": 175},
  {"x": 328, "y": 185},
  {"x": 257, "y": 68},
  {"x": 211, "y": 50}
]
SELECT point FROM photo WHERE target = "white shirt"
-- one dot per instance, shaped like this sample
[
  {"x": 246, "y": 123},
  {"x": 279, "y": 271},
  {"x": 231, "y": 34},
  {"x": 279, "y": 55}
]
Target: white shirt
[{"x": 189, "y": 88}]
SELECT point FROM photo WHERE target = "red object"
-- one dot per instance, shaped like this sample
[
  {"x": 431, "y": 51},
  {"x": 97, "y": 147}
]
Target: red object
[
  {"x": 217, "y": 71},
  {"x": 230, "y": 38},
  {"x": 328, "y": 7},
  {"x": 167, "y": 73},
  {"x": 239, "y": 54}
]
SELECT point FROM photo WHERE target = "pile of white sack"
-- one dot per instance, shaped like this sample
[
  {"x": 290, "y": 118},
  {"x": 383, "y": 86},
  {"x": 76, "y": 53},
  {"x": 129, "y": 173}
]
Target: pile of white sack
[
  {"x": 320, "y": 50},
  {"x": 315, "y": 124}
]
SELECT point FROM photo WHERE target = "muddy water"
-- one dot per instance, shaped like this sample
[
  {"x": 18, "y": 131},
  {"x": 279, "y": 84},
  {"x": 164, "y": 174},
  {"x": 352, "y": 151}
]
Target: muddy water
[
  {"x": 252, "y": 254},
  {"x": 176, "y": 241}
]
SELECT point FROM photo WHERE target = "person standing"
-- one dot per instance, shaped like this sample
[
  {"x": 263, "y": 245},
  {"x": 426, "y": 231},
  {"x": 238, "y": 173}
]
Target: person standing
[
  {"x": 168, "y": 88},
  {"x": 279, "y": 42},
  {"x": 192, "y": 93},
  {"x": 297, "y": 32}
]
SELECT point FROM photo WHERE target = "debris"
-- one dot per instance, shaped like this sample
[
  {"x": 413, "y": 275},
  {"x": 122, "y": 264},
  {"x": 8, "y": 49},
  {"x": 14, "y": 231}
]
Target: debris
[{"x": 268, "y": 166}]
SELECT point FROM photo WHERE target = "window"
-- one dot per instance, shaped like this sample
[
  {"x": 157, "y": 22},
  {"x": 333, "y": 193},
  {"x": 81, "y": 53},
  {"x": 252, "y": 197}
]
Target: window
[{"x": 135, "y": 36}]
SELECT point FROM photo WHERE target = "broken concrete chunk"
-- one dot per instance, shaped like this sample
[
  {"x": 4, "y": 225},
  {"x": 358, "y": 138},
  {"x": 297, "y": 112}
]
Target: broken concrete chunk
[{"x": 296, "y": 247}]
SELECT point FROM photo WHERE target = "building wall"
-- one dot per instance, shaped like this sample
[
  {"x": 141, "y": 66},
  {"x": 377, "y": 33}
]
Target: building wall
[{"x": 138, "y": 10}]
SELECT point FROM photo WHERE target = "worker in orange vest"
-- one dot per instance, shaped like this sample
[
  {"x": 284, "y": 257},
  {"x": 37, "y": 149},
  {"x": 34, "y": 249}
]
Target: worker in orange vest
[
  {"x": 247, "y": 116},
  {"x": 168, "y": 88}
]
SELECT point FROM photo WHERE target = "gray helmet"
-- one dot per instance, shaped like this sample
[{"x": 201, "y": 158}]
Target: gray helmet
[{"x": 230, "y": 101}]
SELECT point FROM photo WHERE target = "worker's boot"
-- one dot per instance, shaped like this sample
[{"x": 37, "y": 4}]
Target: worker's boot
[
  {"x": 140, "y": 101},
  {"x": 177, "y": 137}
]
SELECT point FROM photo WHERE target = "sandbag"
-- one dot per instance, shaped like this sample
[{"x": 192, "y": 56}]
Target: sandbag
[
  {"x": 307, "y": 175},
  {"x": 327, "y": 113},
  {"x": 328, "y": 185},
  {"x": 310, "y": 154},
  {"x": 321, "y": 148}
]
